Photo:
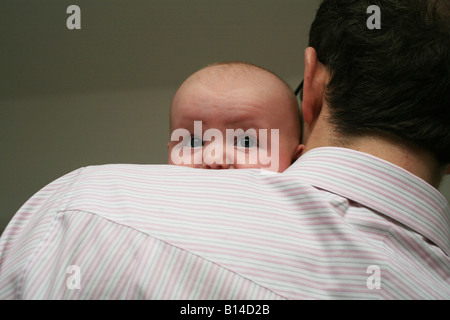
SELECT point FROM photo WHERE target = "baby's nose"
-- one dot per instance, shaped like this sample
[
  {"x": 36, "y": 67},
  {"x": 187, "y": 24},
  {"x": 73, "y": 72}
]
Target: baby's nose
[
  {"x": 216, "y": 166},
  {"x": 215, "y": 156}
]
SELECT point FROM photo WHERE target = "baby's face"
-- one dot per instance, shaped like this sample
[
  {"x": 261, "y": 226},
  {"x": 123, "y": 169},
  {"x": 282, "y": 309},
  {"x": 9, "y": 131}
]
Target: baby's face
[{"x": 219, "y": 124}]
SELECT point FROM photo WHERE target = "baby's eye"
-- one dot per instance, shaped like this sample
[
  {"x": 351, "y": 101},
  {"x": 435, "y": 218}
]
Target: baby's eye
[
  {"x": 246, "y": 142},
  {"x": 195, "y": 142}
]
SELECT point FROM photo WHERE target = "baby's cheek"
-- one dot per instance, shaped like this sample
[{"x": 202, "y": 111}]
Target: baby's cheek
[
  {"x": 262, "y": 159},
  {"x": 284, "y": 163},
  {"x": 185, "y": 156},
  {"x": 282, "y": 157}
]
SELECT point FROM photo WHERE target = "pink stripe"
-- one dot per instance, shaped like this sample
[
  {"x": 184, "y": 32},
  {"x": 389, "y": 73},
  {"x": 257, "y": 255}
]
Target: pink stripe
[
  {"x": 29, "y": 268},
  {"x": 425, "y": 256},
  {"x": 193, "y": 276},
  {"x": 155, "y": 277},
  {"x": 94, "y": 191},
  {"x": 209, "y": 281},
  {"x": 381, "y": 207},
  {"x": 140, "y": 270},
  {"x": 383, "y": 176},
  {"x": 226, "y": 286},
  {"x": 259, "y": 239},
  {"x": 175, "y": 275}
]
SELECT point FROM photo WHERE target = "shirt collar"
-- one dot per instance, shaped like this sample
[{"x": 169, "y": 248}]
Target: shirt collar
[{"x": 381, "y": 186}]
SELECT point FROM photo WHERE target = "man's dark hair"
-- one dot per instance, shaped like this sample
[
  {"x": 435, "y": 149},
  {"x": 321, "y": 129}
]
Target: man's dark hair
[{"x": 394, "y": 80}]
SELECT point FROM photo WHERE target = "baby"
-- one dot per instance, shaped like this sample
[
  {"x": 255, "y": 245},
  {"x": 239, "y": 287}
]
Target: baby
[{"x": 234, "y": 115}]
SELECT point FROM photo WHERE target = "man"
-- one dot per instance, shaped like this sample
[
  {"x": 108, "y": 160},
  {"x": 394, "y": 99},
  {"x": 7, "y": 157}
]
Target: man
[
  {"x": 356, "y": 217},
  {"x": 386, "y": 90}
]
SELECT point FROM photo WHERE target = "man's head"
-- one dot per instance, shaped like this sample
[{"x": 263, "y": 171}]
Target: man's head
[
  {"x": 243, "y": 99},
  {"x": 393, "y": 81}
]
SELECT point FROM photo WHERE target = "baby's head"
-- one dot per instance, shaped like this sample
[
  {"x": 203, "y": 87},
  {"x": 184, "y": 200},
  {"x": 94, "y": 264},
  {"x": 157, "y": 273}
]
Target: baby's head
[{"x": 234, "y": 115}]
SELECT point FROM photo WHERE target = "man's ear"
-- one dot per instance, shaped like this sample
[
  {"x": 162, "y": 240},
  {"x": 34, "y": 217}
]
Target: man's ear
[{"x": 314, "y": 84}]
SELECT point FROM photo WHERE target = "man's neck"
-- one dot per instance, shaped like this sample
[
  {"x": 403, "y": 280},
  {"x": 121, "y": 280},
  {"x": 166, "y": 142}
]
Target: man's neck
[{"x": 411, "y": 158}]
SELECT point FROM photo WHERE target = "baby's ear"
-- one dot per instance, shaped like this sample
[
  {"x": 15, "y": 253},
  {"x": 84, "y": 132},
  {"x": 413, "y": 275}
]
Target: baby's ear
[{"x": 298, "y": 152}]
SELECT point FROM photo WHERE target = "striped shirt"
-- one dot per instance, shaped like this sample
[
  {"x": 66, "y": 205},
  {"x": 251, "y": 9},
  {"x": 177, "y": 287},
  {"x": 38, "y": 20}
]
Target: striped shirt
[{"x": 337, "y": 224}]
